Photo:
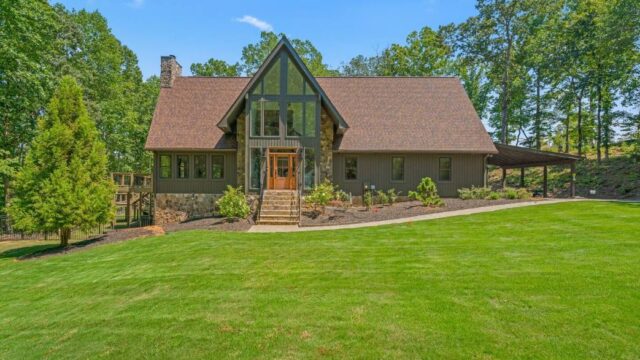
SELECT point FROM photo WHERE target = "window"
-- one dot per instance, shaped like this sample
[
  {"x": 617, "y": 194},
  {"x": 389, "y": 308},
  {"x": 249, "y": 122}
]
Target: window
[
  {"x": 255, "y": 165},
  {"x": 397, "y": 168},
  {"x": 301, "y": 119},
  {"x": 200, "y": 166},
  {"x": 309, "y": 168},
  {"x": 183, "y": 166},
  {"x": 351, "y": 168},
  {"x": 256, "y": 118},
  {"x": 217, "y": 166},
  {"x": 272, "y": 80},
  {"x": 294, "y": 119},
  {"x": 165, "y": 166},
  {"x": 265, "y": 118},
  {"x": 295, "y": 82},
  {"x": 271, "y": 118},
  {"x": 444, "y": 173},
  {"x": 310, "y": 119}
]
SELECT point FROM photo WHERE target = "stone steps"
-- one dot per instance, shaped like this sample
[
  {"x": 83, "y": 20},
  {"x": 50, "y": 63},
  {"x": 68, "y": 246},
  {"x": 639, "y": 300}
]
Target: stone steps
[{"x": 279, "y": 207}]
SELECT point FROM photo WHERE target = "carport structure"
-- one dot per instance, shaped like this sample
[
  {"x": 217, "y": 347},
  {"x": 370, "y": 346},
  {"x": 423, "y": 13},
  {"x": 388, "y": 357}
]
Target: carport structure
[{"x": 515, "y": 157}]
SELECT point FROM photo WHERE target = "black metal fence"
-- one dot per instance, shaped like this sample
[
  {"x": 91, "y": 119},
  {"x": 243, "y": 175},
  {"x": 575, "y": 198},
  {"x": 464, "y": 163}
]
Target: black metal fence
[{"x": 7, "y": 232}]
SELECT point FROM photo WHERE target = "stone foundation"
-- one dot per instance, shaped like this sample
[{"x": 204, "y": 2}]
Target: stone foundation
[
  {"x": 176, "y": 208},
  {"x": 173, "y": 208}
]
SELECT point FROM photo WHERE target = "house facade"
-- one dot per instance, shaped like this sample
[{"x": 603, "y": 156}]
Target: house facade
[{"x": 284, "y": 129}]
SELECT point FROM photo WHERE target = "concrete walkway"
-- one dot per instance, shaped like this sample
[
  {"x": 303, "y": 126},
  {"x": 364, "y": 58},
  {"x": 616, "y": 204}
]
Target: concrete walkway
[{"x": 440, "y": 215}]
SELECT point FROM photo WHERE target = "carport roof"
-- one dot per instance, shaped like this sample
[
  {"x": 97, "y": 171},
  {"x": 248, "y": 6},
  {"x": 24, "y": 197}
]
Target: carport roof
[{"x": 509, "y": 157}]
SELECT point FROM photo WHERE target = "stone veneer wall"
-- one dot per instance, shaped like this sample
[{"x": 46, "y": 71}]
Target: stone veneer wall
[
  {"x": 326, "y": 147},
  {"x": 240, "y": 139},
  {"x": 173, "y": 208}
]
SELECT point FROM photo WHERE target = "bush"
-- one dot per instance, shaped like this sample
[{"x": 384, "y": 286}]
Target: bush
[
  {"x": 510, "y": 193},
  {"x": 494, "y": 195},
  {"x": 233, "y": 204},
  {"x": 382, "y": 197},
  {"x": 474, "y": 193},
  {"x": 393, "y": 195},
  {"x": 367, "y": 199},
  {"x": 321, "y": 195},
  {"x": 523, "y": 194},
  {"x": 480, "y": 193},
  {"x": 341, "y": 196},
  {"x": 426, "y": 193}
]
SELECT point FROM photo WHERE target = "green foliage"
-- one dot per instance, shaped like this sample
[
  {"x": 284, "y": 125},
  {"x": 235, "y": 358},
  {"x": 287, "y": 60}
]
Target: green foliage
[
  {"x": 233, "y": 204},
  {"x": 393, "y": 195},
  {"x": 494, "y": 195},
  {"x": 215, "y": 67},
  {"x": 253, "y": 55},
  {"x": 424, "y": 54},
  {"x": 321, "y": 195},
  {"x": 367, "y": 199},
  {"x": 479, "y": 193},
  {"x": 340, "y": 195},
  {"x": 426, "y": 193},
  {"x": 381, "y": 197},
  {"x": 64, "y": 183},
  {"x": 474, "y": 193}
]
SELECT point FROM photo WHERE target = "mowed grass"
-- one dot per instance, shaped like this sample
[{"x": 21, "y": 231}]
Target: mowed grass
[{"x": 550, "y": 281}]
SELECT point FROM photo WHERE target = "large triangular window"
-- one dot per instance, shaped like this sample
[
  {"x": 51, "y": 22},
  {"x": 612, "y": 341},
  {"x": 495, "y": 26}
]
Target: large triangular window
[{"x": 282, "y": 102}]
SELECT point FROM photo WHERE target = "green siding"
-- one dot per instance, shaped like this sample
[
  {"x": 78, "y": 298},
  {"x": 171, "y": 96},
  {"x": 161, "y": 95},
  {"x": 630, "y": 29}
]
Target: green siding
[
  {"x": 375, "y": 168},
  {"x": 191, "y": 185}
]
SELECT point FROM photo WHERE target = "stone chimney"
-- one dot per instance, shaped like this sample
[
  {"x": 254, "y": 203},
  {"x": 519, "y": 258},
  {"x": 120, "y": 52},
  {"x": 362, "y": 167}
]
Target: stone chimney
[{"x": 169, "y": 70}]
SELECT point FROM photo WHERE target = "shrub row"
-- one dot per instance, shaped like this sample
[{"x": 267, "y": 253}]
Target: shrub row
[{"x": 484, "y": 193}]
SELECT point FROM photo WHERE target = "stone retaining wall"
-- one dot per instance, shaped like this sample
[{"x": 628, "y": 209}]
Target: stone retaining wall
[{"x": 173, "y": 208}]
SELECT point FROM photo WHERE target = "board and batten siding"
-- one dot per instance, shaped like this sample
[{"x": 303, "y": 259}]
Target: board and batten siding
[
  {"x": 192, "y": 185},
  {"x": 375, "y": 168}
]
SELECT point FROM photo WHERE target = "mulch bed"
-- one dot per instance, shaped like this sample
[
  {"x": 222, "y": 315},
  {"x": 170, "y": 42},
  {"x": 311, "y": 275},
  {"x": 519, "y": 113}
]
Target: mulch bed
[
  {"x": 113, "y": 236},
  {"x": 358, "y": 214},
  {"x": 215, "y": 223}
]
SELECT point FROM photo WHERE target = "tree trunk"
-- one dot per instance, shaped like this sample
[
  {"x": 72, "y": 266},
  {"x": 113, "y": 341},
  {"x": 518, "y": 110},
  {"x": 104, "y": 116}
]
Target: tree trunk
[
  {"x": 6, "y": 183},
  {"x": 566, "y": 134},
  {"x": 505, "y": 87},
  {"x": 538, "y": 123},
  {"x": 599, "y": 121},
  {"x": 580, "y": 122},
  {"x": 65, "y": 235}
]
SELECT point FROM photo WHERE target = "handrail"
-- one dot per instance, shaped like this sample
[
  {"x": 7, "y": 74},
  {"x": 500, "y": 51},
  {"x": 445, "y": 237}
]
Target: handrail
[
  {"x": 300, "y": 179},
  {"x": 263, "y": 180}
]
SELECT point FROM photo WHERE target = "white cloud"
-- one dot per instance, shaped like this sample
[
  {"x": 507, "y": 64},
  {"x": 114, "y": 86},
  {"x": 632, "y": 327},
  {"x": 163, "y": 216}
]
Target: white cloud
[
  {"x": 255, "y": 22},
  {"x": 136, "y": 3}
]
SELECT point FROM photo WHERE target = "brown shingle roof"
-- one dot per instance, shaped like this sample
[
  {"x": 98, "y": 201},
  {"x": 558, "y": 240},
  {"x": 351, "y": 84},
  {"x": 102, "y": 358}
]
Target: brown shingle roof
[
  {"x": 406, "y": 114},
  {"x": 383, "y": 114},
  {"x": 187, "y": 113}
]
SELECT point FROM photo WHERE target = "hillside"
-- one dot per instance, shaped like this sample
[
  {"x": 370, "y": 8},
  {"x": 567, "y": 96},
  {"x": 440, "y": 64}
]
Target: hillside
[{"x": 617, "y": 177}]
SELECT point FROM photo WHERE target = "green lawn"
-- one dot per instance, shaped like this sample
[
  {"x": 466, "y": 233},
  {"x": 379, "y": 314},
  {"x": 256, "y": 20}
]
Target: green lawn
[{"x": 551, "y": 281}]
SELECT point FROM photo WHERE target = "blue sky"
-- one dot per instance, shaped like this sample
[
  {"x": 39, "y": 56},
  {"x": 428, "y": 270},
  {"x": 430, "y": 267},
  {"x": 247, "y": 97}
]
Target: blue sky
[{"x": 195, "y": 30}]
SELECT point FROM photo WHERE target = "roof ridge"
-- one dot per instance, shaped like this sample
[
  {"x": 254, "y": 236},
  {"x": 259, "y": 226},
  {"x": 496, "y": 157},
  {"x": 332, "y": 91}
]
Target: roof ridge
[
  {"x": 214, "y": 77},
  {"x": 388, "y": 77}
]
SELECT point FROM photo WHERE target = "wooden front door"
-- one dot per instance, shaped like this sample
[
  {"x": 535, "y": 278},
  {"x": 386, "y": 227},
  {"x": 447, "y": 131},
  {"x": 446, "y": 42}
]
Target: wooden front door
[{"x": 282, "y": 171}]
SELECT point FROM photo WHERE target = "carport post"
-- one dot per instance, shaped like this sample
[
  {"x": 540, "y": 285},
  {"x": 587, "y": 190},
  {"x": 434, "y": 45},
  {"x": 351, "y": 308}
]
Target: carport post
[
  {"x": 545, "y": 188},
  {"x": 504, "y": 178},
  {"x": 573, "y": 179},
  {"x": 521, "y": 177}
]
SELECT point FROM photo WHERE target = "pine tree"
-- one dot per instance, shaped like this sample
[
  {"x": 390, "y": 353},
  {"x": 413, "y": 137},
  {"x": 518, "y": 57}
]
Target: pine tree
[{"x": 64, "y": 183}]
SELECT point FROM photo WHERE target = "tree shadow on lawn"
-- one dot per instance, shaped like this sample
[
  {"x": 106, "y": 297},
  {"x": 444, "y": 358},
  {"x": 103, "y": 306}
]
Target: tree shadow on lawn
[{"x": 36, "y": 251}]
